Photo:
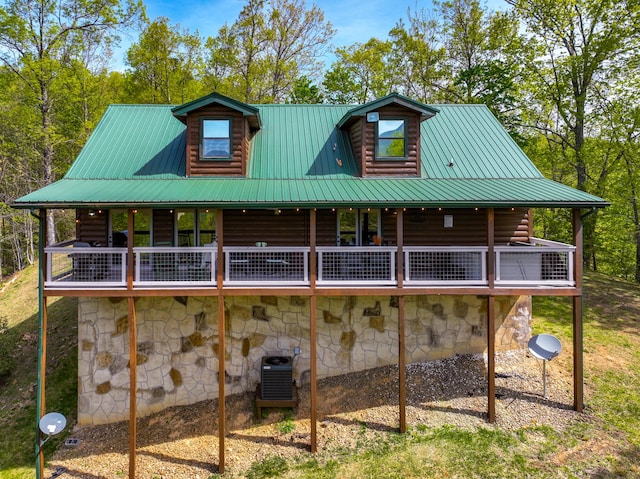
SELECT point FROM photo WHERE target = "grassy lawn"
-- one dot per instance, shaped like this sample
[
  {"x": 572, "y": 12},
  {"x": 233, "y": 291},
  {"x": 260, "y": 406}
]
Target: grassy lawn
[
  {"x": 607, "y": 445},
  {"x": 19, "y": 350}
]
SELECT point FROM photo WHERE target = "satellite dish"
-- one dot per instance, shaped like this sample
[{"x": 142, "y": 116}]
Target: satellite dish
[
  {"x": 545, "y": 347},
  {"x": 52, "y": 423}
]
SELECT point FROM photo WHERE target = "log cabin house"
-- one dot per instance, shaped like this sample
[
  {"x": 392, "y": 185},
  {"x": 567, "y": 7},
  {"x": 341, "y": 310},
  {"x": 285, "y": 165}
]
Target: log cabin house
[{"x": 214, "y": 235}]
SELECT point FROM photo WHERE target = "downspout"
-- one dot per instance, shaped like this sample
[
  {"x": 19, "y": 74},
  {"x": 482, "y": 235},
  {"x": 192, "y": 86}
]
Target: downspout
[
  {"x": 592, "y": 211},
  {"x": 40, "y": 389}
]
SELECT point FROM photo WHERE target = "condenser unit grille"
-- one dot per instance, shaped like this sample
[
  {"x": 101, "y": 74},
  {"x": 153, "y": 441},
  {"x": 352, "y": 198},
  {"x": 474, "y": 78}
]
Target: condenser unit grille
[{"x": 277, "y": 378}]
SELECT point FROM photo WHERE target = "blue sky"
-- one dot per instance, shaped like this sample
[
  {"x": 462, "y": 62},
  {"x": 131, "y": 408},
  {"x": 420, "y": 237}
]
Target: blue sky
[{"x": 354, "y": 20}]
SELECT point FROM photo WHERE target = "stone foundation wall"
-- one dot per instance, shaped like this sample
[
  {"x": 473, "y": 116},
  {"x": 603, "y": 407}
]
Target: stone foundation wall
[{"x": 177, "y": 342}]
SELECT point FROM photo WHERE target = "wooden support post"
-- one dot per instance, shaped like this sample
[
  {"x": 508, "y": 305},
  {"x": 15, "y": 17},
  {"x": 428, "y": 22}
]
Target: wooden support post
[
  {"x": 42, "y": 341},
  {"x": 130, "y": 257},
  {"x": 221, "y": 384},
  {"x": 400, "y": 243},
  {"x": 491, "y": 360},
  {"x": 312, "y": 330},
  {"x": 221, "y": 341},
  {"x": 578, "y": 356},
  {"x": 133, "y": 380},
  {"x": 491, "y": 318},
  {"x": 42, "y": 367},
  {"x": 219, "y": 239},
  {"x": 314, "y": 373},
  {"x": 402, "y": 370},
  {"x": 578, "y": 346},
  {"x": 313, "y": 268},
  {"x": 133, "y": 350}
]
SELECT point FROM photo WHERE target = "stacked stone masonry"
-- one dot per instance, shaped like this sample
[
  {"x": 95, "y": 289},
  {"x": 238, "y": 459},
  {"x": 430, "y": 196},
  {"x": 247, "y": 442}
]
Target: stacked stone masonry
[{"x": 177, "y": 342}]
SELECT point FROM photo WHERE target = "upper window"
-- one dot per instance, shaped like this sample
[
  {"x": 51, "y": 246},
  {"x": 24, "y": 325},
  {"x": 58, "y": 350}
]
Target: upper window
[
  {"x": 391, "y": 139},
  {"x": 216, "y": 139}
]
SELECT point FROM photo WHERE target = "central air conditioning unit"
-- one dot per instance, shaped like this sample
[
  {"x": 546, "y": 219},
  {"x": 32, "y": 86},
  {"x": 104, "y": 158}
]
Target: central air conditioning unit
[{"x": 276, "y": 376}]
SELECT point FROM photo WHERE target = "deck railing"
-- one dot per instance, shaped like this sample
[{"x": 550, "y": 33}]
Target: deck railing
[
  {"x": 78, "y": 264},
  {"x": 266, "y": 266},
  {"x": 353, "y": 265},
  {"x": 445, "y": 265},
  {"x": 167, "y": 266},
  {"x": 538, "y": 263}
]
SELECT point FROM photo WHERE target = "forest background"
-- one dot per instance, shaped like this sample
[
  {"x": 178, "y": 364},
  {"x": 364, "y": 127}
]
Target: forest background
[{"x": 563, "y": 77}]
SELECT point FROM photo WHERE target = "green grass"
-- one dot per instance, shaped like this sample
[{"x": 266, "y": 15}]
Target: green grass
[
  {"x": 19, "y": 305},
  {"x": 605, "y": 445},
  {"x": 286, "y": 425}
]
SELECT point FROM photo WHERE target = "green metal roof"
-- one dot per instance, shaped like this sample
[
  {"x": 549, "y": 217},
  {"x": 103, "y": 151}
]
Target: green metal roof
[
  {"x": 321, "y": 193},
  {"x": 300, "y": 158}
]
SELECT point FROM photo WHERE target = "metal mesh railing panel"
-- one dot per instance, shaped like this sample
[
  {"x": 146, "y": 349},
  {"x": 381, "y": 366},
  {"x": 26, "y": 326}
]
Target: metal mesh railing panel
[
  {"x": 535, "y": 266},
  {"x": 183, "y": 266},
  {"x": 266, "y": 266},
  {"x": 85, "y": 265},
  {"x": 445, "y": 266},
  {"x": 356, "y": 266}
]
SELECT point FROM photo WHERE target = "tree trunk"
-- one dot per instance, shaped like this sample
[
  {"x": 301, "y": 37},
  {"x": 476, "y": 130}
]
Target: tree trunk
[{"x": 47, "y": 155}]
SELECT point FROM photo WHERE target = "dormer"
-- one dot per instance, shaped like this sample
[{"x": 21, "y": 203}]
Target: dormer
[
  {"x": 385, "y": 135},
  {"x": 219, "y": 130}
]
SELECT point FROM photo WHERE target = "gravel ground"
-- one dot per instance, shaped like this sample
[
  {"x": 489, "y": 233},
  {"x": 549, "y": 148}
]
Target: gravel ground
[{"x": 182, "y": 442}]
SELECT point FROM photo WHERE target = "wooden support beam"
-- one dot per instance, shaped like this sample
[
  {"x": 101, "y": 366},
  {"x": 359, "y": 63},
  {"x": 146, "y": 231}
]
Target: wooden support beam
[
  {"x": 491, "y": 318},
  {"x": 42, "y": 341},
  {"x": 42, "y": 390},
  {"x": 313, "y": 268},
  {"x": 221, "y": 342},
  {"x": 400, "y": 243},
  {"x": 130, "y": 257},
  {"x": 491, "y": 360},
  {"x": 314, "y": 374},
  {"x": 221, "y": 384},
  {"x": 312, "y": 330},
  {"x": 133, "y": 380},
  {"x": 578, "y": 356},
  {"x": 578, "y": 339},
  {"x": 220, "y": 239},
  {"x": 491, "y": 253},
  {"x": 402, "y": 370}
]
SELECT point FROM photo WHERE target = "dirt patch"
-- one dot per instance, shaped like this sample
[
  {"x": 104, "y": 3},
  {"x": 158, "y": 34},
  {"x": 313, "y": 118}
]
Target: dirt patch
[{"x": 182, "y": 442}]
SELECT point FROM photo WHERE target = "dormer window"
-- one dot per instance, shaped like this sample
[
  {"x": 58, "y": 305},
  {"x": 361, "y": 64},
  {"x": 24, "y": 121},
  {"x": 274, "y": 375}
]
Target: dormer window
[
  {"x": 216, "y": 139},
  {"x": 391, "y": 139}
]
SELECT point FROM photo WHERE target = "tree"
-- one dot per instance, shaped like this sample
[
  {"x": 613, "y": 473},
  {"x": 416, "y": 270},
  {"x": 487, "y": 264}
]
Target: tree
[
  {"x": 481, "y": 54},
  {"x": 34, "y": 37},
  {"x": 360, "y": 73},
  {"x": 298, "y": 40},
  {"x": 270, "y": 45},
  {"x": 305, "y": 92},
  {"x": 417, "y": 59},
  {"x": 572, "y": 46},
  {"x": 164, "y": 64}
]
